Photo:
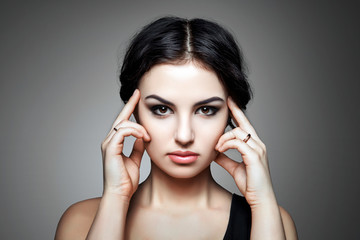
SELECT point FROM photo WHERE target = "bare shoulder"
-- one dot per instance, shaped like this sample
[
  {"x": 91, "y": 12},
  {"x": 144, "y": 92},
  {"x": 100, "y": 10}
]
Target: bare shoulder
[
  {"x": 77, "y": 219},
  {"x": 289, "y": 225}
]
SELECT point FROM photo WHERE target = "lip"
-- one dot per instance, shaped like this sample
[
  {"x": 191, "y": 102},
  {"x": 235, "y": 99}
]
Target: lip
[{"x": 183, "y": 157}]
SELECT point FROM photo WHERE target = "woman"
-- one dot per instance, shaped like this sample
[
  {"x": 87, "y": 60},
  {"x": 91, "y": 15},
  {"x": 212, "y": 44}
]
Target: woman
[{"x": 184, "y": 82}]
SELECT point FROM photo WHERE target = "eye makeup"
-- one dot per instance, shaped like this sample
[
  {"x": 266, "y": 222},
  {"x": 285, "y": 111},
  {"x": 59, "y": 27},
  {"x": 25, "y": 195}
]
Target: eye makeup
[
  {"x": 202, "y": 102},
  {"x": 207, "y": 110},
  {"x": 160, "y": 110},
  {"x": 165, "y": 107}
]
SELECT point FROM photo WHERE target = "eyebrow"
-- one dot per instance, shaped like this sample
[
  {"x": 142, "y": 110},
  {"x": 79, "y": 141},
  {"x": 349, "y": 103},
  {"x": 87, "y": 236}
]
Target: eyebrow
[{"x": 202, "y": 102}]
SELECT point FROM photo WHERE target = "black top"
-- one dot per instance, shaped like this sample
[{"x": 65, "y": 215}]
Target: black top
[{"x": 239, "y": 225}]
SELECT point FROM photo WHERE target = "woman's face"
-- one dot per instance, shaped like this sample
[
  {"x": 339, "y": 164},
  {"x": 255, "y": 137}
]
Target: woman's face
[{"x": 184, "y": 110}]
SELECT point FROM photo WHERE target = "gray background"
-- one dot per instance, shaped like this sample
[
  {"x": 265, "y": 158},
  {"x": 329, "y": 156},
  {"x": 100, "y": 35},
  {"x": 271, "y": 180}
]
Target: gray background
[{"x": 59, "y": 96}]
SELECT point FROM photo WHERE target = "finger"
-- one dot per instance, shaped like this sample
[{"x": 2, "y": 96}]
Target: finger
[
  {"x": 225, "y": 137},
  {"x": 245, "y": 150},
  {"x": 138, "y": 151},
  {"x": 237, "y": 133},
  {"x": 240, "y": 118},
  {"x": 128, "y": 109},
  {"x": 227, "y": 163},
  {"x": 235, "y": 169},
  {"x": 130, "y": 124},
  {"x": 127, "y": 123},
  {"x": 115, "y": 145}
]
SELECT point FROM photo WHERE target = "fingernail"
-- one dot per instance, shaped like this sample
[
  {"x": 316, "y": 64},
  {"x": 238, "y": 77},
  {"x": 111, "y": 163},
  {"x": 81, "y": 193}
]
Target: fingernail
[{"x": 135, "y": 91}]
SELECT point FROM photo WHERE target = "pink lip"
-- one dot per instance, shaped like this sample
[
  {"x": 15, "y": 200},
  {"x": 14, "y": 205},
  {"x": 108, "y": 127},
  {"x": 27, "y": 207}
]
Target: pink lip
[{"x": 183, "y": 157}]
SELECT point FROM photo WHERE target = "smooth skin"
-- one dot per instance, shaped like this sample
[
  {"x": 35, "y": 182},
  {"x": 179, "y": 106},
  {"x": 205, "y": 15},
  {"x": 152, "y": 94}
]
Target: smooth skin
[{"x": 176, "y": 203}]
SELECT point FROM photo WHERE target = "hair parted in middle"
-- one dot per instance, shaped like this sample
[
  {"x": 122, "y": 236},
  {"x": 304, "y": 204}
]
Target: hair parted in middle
[{"x": 176, "y": 40}]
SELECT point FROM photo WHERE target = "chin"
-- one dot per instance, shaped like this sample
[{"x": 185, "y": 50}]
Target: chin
[
  {"x": 183, "y": 174},
  {"x": 179, "y": 171}
]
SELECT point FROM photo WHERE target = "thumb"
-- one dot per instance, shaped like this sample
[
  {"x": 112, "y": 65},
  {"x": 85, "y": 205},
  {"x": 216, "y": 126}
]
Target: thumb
[
  {"x": 227, "y": 163},
  {"x": 137, "y": 151},
  {"x": 236, "y": 170}
]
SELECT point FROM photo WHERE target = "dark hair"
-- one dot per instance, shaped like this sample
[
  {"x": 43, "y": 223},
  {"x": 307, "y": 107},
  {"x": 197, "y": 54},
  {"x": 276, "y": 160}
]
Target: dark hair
[{"x": 176, "y": 40}]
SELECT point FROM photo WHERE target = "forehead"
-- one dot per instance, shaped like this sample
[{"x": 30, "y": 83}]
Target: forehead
[{"x": 185, "y": 80}]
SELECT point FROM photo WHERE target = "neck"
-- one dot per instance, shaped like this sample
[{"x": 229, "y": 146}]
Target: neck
[{"x": 164, "y": 191}]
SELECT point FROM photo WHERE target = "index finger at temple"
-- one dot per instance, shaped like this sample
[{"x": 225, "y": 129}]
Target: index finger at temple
[
  {"x": 129, "y": 108},
  {"x": 240, "y": 117}
]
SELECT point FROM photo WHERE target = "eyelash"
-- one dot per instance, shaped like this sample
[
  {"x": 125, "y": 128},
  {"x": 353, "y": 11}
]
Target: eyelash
[
  {"x": 155, "y": 110},
  {"x": 213, "y": 110}
]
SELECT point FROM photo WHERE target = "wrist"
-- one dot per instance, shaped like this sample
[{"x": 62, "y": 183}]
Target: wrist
[
  {"x": 116, "y": 198},
  {"x": 265, "y": 202},
  {"x": 266, "y": 209},
  {"x": 267, "y": 221},
  {"x": 110, "y": 219}
]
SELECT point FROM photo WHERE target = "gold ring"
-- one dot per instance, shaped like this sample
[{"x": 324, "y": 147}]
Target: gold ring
[{"x": 247, "y": 138}]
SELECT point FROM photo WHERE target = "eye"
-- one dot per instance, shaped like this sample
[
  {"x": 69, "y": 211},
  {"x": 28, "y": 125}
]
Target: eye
[
  {"x": 161, "y": 110},
  {"x": 207, "y": 110}
]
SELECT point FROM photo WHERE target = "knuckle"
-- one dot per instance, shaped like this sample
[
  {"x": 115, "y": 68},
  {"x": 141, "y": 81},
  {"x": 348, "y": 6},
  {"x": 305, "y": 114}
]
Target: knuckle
[
  {"x": 261, "y": 152},
  {"x": 263, "y": 147},
  {"x": 229, "y": 134},
  {"x": 123, "y": 122},
  {"x": 237, "y": 130},
  {"x": 226, "y": 135},
  {"x": 107, "y": 150},
  {"x": 104, "y": 146}
]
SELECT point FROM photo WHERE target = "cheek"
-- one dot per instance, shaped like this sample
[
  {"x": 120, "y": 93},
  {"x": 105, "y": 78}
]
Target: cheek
[
  {"x": 158, "y": 129},
  {"x": 160, "y": 133},
  {"x": 211, "y": 130},
  {"x": 156, "y": 132},
  {"x": 210, "y": 134}
]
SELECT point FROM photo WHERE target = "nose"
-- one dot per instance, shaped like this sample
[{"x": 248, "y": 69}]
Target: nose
[{"x": 184, "y": 134}]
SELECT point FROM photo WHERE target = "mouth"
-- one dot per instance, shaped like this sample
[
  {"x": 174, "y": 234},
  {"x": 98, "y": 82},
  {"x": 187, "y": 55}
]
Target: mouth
[{"x": 183, "y": 157}]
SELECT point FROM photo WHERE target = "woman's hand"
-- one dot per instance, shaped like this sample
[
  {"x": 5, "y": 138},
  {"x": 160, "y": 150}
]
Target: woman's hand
[
  {"x": 251, "y": 176},
  {"x": 121, "y": 173}
]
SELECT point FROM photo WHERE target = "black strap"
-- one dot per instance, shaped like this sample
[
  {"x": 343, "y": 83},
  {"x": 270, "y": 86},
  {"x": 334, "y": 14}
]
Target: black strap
[{"x": 239, "y": 226}]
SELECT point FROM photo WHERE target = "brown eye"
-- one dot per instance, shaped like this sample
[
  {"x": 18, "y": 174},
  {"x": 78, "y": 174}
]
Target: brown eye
[
  {"x": 207, "y": 110},
  {"x": 161, "y": 110}
]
